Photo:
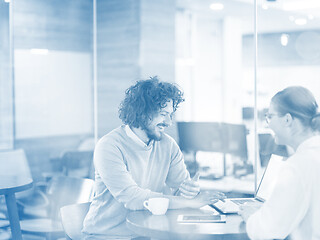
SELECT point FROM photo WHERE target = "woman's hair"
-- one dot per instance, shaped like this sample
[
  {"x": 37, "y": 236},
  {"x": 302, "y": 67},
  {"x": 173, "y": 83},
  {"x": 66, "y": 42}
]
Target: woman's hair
[
  {"x": 300, "y": 103},
  {"x": 146, "y": 98}
]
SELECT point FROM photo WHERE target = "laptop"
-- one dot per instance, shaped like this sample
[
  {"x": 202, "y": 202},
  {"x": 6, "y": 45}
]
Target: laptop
[{"x": 266, "y": 185}]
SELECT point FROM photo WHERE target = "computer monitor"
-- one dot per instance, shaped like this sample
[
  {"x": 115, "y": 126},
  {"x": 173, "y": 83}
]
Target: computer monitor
[
  {"x": 235, "y": 140},
  {"x": 267, "y": 147},
  {"x": 247, "y": 113},
  {"x": 200, "y": 136},
  {"x": 214, "y": 137}
]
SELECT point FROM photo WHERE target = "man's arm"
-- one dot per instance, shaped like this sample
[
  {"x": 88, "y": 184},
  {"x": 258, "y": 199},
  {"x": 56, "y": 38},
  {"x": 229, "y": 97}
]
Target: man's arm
[
  {"x": 113, "y": 171},
  {"x": 202, "y": 199},
  {"x": 178, "y": 176}
]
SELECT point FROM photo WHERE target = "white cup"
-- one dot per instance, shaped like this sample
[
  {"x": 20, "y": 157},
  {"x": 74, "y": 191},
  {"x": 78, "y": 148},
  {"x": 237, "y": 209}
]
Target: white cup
[{"x": 158, "y": 206}]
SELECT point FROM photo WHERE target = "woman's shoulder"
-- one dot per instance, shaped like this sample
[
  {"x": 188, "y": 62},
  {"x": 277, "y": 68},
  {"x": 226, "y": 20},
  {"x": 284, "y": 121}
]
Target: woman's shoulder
[{"x": 304, "y": 162}]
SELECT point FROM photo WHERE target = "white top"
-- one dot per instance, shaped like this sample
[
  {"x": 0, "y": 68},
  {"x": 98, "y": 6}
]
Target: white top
[
  {"x": 294, "y": 205},
  {"x": 127, "y": 172}
]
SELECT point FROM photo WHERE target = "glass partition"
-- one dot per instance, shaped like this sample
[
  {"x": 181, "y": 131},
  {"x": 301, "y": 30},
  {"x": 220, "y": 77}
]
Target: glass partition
[
  {"x": 288, "y": 51},
  {"x": 214, "y": 66},
  {"x": 208, "y": 47},
  {"x": 6, "y": 91},
  {"x": 53, "y": 83}
]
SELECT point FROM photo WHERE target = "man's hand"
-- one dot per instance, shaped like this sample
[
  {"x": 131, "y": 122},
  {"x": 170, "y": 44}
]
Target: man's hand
[
  {"x": 247, "y": 209},
  {"x": 190, "y": 188},
  {"x": 205, "y": 198},
  {"x": 202, "y": 199}
]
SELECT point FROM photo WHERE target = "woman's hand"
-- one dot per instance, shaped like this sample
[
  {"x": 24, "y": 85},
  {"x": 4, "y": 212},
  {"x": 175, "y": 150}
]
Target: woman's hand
[{"x": 248, "y": 208}]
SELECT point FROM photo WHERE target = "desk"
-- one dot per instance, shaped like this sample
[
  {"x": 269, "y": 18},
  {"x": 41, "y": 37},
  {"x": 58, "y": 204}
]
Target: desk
[
  {"x": 166, "y": 226},
  {"x": 9, "y": 185}
]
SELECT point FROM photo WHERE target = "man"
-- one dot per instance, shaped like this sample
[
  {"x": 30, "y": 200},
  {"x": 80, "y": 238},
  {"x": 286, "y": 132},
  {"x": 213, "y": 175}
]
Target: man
[{"x": 137, "y": 161}]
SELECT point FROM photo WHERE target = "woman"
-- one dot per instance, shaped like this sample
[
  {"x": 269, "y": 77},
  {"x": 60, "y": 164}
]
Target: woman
[{"x": 294, "y": 205}]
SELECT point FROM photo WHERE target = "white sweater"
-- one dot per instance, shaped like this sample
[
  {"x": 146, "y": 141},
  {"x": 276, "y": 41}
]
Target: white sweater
[
  {"x": 127, "y": 172},
  {"x": 294, "y": 205}
]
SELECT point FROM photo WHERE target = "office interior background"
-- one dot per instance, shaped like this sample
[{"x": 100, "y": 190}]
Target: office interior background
[{"x": 65, "y": 65}]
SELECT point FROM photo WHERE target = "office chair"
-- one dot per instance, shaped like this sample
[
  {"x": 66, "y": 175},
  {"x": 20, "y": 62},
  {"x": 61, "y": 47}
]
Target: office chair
[
  {"x": 72, "y": 217},
  {"x": 61, "y": 191},
  {"x": 75, "y": 163},
  {"x": 78, "y": 163}
]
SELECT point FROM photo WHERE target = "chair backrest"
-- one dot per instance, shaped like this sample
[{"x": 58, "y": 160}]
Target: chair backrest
[
  {"x": 77, "y": 163},
  {"x": 87, "y": 144},
  {"x": 72, "y": 217},
  {"x": 14, "y": 162},
  {"x": 64, "y": 191}
]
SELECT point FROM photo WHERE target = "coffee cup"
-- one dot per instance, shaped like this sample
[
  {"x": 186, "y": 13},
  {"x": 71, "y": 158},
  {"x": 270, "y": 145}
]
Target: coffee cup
[{"x": 158, "y": 206}]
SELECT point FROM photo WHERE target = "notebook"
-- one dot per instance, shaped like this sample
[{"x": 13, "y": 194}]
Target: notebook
[{"x": 267, "y": 183}]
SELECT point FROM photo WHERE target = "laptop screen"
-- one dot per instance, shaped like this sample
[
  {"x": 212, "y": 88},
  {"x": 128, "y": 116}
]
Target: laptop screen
[{"x": 269, "y": 177}]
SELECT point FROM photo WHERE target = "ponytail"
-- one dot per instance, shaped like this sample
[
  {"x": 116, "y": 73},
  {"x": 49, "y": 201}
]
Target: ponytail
[
  {"x": 300, "y": 103},
  {"x": 315, "y": 122}
]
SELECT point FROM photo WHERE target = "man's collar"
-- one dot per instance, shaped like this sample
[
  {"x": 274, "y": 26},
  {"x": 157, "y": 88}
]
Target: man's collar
[{"x": 135, "y": 138}]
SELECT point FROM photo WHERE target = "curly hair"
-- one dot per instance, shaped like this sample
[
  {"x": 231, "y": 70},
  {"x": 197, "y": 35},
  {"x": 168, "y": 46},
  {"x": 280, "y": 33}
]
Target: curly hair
[{"x": 146, "y": 98}]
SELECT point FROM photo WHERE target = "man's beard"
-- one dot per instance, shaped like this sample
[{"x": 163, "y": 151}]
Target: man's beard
[{"x": 152, "y": 135}]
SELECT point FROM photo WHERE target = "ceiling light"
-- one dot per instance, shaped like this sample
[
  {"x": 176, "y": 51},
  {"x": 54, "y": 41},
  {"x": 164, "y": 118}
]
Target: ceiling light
[
  {"x": 265, "y": 6},
  {"x": 300, "y": 21},
  {"x": 7, "y": 1},
  {"x": 299, "y": 5},
  {"x": 216, "y": 6},
  {"x": 284, "y": 39},
  {"x": 310, "y": 17}
]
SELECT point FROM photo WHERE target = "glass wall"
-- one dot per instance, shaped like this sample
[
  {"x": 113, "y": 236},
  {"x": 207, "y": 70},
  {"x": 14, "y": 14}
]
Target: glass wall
[
  {"x": 209, "y": 59},
  {"x": 6, "y": 93},
  {"x": 288, "y": 47},
  {"x": 207, "y": 47},
  {"x": 216, "y": 70},
  {"x": 288, "y": 52},
  {"x": 49, "y": 100},
  {"x": 215, "y": 61}
]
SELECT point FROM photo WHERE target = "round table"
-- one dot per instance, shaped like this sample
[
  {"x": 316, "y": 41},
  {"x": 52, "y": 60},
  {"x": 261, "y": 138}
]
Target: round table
[
  {"x": 9, "y": 185},
  {"x": 166, "y": 226}
]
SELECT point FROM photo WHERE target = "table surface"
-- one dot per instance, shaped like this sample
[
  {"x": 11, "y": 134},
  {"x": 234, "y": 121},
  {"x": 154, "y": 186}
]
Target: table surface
[
  {"x": 10, "y": 184},
  {"x": 167, "y": 227}
]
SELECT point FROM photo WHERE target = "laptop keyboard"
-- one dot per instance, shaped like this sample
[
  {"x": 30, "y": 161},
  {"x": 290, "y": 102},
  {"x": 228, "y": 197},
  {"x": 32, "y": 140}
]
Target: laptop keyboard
[{"x": 241, "y": 201}]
